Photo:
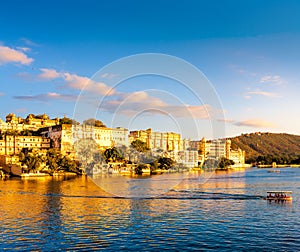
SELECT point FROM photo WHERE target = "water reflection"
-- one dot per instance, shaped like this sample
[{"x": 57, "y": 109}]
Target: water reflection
[{"x": 226, "y": 212}]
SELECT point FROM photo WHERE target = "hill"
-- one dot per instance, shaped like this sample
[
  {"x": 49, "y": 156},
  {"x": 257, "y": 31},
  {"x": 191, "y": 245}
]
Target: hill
[{"x": 266, "y": 148}]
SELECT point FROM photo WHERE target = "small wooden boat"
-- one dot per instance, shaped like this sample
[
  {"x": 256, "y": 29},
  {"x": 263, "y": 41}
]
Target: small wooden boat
[
  {"x": 279, "y": 195},
  {"x": 274, "y": 171}
]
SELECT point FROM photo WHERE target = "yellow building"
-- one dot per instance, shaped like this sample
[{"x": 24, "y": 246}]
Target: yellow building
[
  {"x": 41, "y": 121},
  {"x": 237, "y": 156},
  {"x": 216, "y": 149},
  {"x": 166, "y": 141},
  {"x": 60, "y": 136},
  {"x": 64, "y": 136},
  {"x": 12, "y": 145},
  {"x": 31, "y": 122}
]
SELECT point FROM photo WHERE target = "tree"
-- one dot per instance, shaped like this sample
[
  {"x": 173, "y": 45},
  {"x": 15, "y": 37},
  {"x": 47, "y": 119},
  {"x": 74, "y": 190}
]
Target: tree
[
  {"x": 165, "y": 163},
  {"x": 53, "y": 158},
  {"x": 31, "y": 161},
  {"x": 225, "y": 163},
  {"x": 112, "y": 154},
  {"x": 57, "y": 162},
  {"x": 94, "y": 122},
  {"x": 66, "y": 120},
  {"x": 139, "y": 145}
]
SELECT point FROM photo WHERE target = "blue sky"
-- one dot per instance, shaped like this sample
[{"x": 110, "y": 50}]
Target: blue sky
[{"x": 248, "y": 50}]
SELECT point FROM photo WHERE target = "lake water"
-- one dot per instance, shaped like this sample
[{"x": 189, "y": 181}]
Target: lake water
[{"x": 226, "y": 213}]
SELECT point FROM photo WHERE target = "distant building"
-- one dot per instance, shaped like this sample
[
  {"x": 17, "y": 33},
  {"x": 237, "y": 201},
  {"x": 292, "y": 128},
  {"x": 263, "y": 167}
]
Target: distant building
[
  {"x": 237, "y": 156},
  {"x": 12, "y": 145},
  {"x": 64, "y": 136},
  {"x": 166, "y": 141},
  {"x": 31, "y": 122},
  {"x": 216, "y": 149},
  {"x": 189, "y": 158}
]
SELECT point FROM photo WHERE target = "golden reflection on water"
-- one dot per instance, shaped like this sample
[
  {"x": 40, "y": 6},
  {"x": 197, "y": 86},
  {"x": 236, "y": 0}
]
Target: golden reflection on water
[
  {"x": 75, "y": 196},
  {"x": 74, "y": 213}
]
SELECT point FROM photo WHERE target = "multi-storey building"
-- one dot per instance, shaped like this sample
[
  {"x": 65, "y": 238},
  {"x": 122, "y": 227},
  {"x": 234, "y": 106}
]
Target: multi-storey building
[
  {"x": 237, "y": 156},
  {"x": 12, "y": 145},
  {"x": 189, "y": 158},
  {"x": 65, "y": 136},
  {"x": 216, "y": 149},
  {"x": 31, "y": 122},
  {"x": 166, "y": 141}
]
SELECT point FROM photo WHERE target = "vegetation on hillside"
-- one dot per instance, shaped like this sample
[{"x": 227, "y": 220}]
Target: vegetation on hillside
[
  {"x": 265, "y": 148},
  {"x": 50, "y": 161},
  {"x": 66, "y": 120},
  {"x": 139, "y": 145},
  {"x": 94, "y": 122}
]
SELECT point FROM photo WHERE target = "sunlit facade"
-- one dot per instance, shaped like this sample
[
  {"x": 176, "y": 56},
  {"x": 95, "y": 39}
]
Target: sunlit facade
[
  {"x": 166, "y": 141},
  {"x": 64, "y": 136},
  {"x": 12, "y": 145},
  {"x": 216, "y": 149},
  {"x": 29, "y": 123}
]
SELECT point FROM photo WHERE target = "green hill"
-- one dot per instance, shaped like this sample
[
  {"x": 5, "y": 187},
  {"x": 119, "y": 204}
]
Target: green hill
[{"x": 266, "y": 148}]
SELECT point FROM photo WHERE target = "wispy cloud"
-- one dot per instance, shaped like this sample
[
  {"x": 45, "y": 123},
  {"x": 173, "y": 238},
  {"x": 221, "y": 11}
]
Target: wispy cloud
[
  {"x": 29, "y": 42},
  {"x": 242, "y": 71},
  {"x": 227, "y": 120},
  {"x": 47, "y": 97},
  {"x": 274, "y": 79},
  {"x": 49, "y": 74},
  {"x": 141, "y": 101},
  {"x": 262, "y": 93},
  {"x": 10, "y": 55},
  {"x": 255, "y": 123},
  {"x": 77, "y": 82},
  {"x": 24, "y": 49},
  {"x": 108, "y": 75}
]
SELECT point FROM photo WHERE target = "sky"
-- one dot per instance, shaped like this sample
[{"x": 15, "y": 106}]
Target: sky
[{"x": 200, "y": 68}]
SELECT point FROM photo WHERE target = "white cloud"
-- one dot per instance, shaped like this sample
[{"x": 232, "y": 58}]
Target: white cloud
[
  {"x": 275, "y": 79},
  {"x": 262, "y": 93},
  {"x": 131, "y": 104},
  {"x": 226, "y": 120},
  {"x": 255, "y": 123},
  {"x": 49, "y": 74},
  {"x": 9, "y": 55},
  {"x": 77, "y": 82}
]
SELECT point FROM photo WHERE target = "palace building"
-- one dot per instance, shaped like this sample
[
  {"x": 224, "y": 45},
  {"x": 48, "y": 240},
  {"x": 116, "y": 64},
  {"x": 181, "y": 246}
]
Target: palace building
[{"x": 166, "y": 141}]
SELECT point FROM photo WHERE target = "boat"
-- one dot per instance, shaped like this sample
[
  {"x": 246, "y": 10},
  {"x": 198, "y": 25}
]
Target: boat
[
  {"x": 274, "y": 171},
  {"x": 279, "y": 195}
]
